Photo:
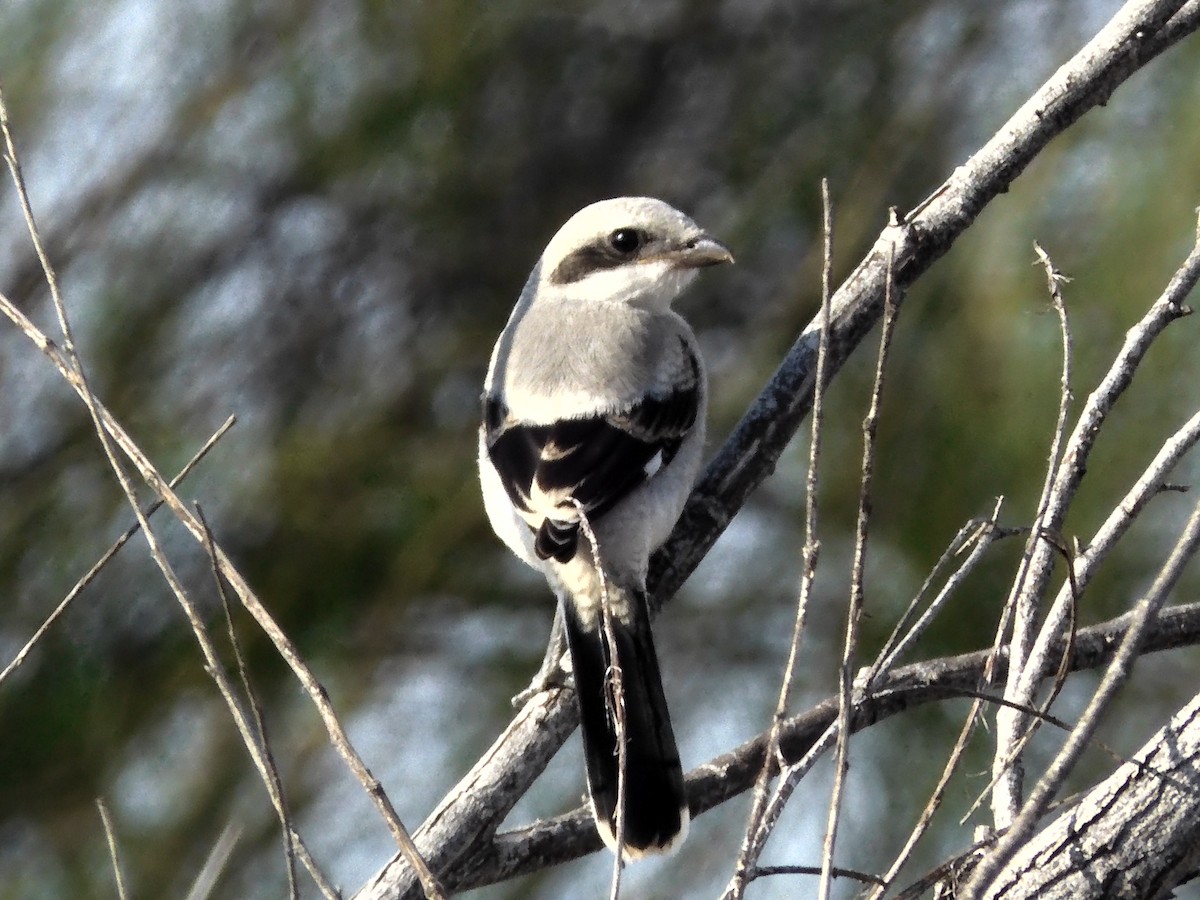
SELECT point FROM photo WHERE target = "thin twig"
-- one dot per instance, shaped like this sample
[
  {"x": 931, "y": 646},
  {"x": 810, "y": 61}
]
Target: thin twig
[
  {"x": 114, "y": 855},
  {"x": 112, "y": 551},
  {"x": 283, "y": 644},
  {"x": 757, "y": 828},
  {"x": 1008, "y": 770},
  {"x": 870, "y": 429},
  {"x": 614, "y": 696},
  {"x": 273, "y": 782},
  {"x": 836, "y": 872},
  {"x": 214, "y": 864}
]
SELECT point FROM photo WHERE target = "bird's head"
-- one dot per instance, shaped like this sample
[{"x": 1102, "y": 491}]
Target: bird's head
[{"x": 634, "y": 250}]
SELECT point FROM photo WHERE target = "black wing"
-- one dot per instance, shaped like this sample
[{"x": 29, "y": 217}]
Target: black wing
[{"x": 595, "y": 461}]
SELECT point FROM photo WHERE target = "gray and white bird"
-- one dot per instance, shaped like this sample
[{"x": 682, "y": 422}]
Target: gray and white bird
[{"x": 596, "y": 398}]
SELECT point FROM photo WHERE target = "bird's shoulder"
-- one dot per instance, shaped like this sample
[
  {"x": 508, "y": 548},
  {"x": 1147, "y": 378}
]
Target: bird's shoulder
[{"x": 579, "y": 360}]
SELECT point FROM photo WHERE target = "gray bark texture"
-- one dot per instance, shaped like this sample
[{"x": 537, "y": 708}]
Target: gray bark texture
[{"x": 1136, "y": 834}]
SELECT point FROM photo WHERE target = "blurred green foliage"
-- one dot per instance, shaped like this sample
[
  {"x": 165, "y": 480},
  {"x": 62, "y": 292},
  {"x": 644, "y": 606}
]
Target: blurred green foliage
[{"x": 316, "y": 216}]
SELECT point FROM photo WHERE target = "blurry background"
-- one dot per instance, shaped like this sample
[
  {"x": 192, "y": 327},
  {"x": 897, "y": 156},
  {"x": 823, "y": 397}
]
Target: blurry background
[{"x": 317, "y": 215}]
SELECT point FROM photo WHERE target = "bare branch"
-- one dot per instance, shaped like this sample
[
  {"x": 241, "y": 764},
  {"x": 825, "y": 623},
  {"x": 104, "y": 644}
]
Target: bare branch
[
  {"x": 1118, "y": 672},
  {"x": 569, "y": 836},
  {"x": 1008, "y": 770}
]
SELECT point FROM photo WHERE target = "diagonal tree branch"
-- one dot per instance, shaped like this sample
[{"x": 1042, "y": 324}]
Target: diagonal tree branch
[
  {"x": 1134, "y": 834},
  {"x": 1136, "y": 35}
]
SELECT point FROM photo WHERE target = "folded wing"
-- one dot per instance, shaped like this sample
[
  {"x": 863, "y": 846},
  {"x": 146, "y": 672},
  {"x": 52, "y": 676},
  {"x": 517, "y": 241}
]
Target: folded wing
[{"x": 595, "y": 460}]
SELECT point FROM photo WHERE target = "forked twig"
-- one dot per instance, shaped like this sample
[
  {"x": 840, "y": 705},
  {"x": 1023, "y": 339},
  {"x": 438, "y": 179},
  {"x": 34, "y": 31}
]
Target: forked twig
[
  {"x": 1028, "y": 585},
  {"x": 979, "y": 535},
  {"x": 112, "y": 551}
]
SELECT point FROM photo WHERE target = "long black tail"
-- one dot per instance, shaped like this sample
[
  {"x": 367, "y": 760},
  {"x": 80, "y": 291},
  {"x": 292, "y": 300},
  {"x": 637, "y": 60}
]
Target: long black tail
[{"x": 656, "y": 812}]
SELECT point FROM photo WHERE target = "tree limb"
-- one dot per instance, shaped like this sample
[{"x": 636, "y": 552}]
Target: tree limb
[
  {"x": 1136, "y": 834},
  {"x": 572, "y": 835}
]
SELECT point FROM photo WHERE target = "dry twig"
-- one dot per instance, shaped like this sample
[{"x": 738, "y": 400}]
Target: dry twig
[
  {"x": 111, "y": 436},
  {"x": 110, "y": 836},
  {"x": 615, "y": 697},
  {"x": 1025, "y": 596},
  {"x": 854, "y": 613},
  {"x": 764, "y": 811}
]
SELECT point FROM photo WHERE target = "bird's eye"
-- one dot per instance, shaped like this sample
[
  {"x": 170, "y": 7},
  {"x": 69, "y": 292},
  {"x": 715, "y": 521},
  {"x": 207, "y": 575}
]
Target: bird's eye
[{"x": 625, "y": 240}]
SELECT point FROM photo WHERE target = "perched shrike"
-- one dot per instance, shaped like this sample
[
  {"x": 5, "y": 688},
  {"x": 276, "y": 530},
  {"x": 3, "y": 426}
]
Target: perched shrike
[{"x": 595, "y": 398}]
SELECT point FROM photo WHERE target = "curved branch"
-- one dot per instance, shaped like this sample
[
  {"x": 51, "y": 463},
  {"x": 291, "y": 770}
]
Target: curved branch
[{"x": 570, "y": 836}]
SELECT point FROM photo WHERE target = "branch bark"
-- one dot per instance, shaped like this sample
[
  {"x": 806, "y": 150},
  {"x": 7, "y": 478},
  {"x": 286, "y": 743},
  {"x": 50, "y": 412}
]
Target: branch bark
[
  {"x": 571, "y": 835},
  {"x": 1136, "y": 834}
]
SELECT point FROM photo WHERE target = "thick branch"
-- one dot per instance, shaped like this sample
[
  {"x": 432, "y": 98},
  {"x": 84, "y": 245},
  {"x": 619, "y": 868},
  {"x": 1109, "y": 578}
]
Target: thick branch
[
  {"x": 1133, "y": 37},
  {"x": 572, "y": 835},
  {"x": 1136, "y": 834}
]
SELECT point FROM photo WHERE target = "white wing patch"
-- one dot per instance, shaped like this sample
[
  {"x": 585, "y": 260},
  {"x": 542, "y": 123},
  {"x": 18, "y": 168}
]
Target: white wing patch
[{"x": 653, "y": 465}]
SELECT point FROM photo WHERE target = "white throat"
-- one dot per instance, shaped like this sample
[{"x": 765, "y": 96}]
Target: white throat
[{"x": 652, "y": 286}]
